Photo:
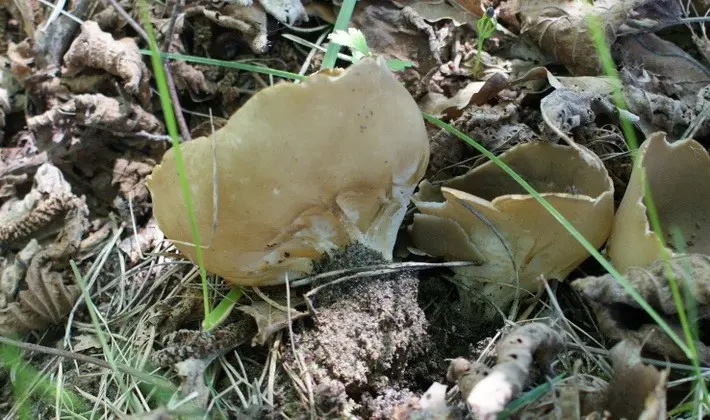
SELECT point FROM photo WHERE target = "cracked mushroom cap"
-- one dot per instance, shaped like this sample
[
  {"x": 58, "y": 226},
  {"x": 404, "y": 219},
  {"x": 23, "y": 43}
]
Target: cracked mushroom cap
[
  {"x": 486, "y": 216},
  {"x": 678, "y": 176},
  {"x": 302, "y": 169}
]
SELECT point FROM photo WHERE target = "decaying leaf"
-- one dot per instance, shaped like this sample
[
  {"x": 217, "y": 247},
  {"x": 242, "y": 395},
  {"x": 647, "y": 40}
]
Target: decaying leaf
[
  {"x": 191, "y": 344},
  {"x": 47, "y": 299},
  {"x": 286, "y": 11},
  {"x": 272, "y": 151},
  {"x": 14, "y": 272},
  {"x": 533, "y": 344},
  {"x": 192, "y": 380},
  {"x": 141, "y": 242},
  {"x": 485, "y": 216},
  {"x": 560, "y": 28},
  {"x": 270, "y": 319},
  {"x": 476, "y": 93},
  {"x": 98, "y": 111},
  {"x": 673, "y": 172},
  {"x": 95, "y": 48},
  {"x": 664, "y": 59},
  {"x": 621, "y": 317}
]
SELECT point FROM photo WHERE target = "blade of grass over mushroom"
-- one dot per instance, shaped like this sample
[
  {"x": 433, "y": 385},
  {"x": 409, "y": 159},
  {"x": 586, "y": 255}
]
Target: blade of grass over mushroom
[
  {"x": 229, "y": 64},
  {"x": 568, "y": 226},
  {"x": 529, "y": 396},
  {"x": 688, "y": 322},
  {"x": 171, "y": 125},
  {"x": 341, "y": 23},
  {"x": 630, "y": 135}
]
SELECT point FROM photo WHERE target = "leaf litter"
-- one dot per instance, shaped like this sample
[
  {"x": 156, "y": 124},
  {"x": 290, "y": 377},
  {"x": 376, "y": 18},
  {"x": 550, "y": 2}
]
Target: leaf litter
[{"x": 83, "y": 130}]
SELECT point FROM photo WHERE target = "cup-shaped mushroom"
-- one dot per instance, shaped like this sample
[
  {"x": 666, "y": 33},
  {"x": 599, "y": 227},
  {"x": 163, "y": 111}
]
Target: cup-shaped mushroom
[
  {"x": 678, "y": 179},
  {"x": 301, "y": 169},
  {"x": 487, "y": 217}
]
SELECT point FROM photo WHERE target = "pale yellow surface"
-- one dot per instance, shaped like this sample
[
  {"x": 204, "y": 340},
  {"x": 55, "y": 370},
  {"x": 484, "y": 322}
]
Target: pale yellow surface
[{"x": 301, "y": 169}]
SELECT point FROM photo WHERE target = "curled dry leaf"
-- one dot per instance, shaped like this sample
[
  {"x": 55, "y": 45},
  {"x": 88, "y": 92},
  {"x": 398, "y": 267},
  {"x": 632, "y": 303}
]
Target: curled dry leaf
[
  {"x": 531, "y": 344},
  {"x": 13, "y": 273},
  {"x": 674, "y": 173},
  {"x": 278, "y": 149},
  {"x": 190, "y": 344},
  {"x": 270, "y": 319},
  {"x": 487, "y": 217},
  {"x": 46, "y": 299},
  {"x": 97, "y": 49},
  {"x": 286, "y": 11},
  {"x": 98, "y": 111},
  {"x": 620, "y": 316},
  {"x": 665, "y": 59},
  {"x": 476, "y": 93},
  {"x": 560, "y": 28}
]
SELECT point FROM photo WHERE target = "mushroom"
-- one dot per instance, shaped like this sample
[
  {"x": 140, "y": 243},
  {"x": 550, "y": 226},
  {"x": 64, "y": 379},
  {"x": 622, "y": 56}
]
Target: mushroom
[
  {"x": 487, "y": 217},
  {"x": 302, "y": 169},
  {"x": 678, "y": 177}
]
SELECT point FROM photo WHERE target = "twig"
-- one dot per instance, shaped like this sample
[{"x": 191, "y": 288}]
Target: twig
[{"x": 184, "y": 131}]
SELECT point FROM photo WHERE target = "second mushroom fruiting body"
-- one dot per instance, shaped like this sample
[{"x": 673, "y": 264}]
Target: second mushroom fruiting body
[
  {"x": 301, "y": 169},
  {"x": 677, "y": 176},
  {"x": 487, "y": 217}
]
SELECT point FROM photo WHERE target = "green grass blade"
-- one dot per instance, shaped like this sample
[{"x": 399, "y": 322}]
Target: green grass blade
[
  {"x": 228, "y": 64},
  {"x": 341, "y": 23},
  {"x": 222, "y": 311},
  {"x": 171, "y": 126}
]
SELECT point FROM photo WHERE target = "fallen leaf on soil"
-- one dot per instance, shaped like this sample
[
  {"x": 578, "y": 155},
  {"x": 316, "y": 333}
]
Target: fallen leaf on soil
[
  {"x": 391, "y": 34},
  {"x": 560, "y": 28},
  {"x": 270, "y": 143},
  {"x": 98, "y": 111},
  {"x": 97, "y": 49},
  {"x": 436, "y": 10},
  {"x": 192, "y": 381},
  {"x": 664, "y": 59},
  {"x": 85, "y": 342},
  {"x": 286, "y": 11},
  {"x": 673, "y": 173},
  {"x": 476, "y": 93},
  {"x": 620, "y": 316},
  {"x": 485, "y": 216},
  {"x": 140, "y": 243},
  {"x": 14, "y": 272},
  {"x": 191, "y": 344},
  {"x": 531, "y": 344},
  {"x": 270, "y": 319},
  {"x": 46, "y": 298},
  {"x": 188, "y": 78}
]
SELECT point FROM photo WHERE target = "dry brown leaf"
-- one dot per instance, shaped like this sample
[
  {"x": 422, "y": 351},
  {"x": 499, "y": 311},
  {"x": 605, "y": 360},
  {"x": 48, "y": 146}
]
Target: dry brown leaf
[
  {"x": 476, "y": 93},
  {"x": 188, "y": 78},
  {"x": 98, "y": 111},
  {"x": 620, "y": 316},
  {"x": 559, "y": 27},
  {"x": 665, "y": 59},
  {"x": 191, "y": 344},
  {"x": 270, "y": 319},
  {"x": 436, "y": 10},
  {"x": 389, "y": 33},
  {"x": 286, "y": 11},
  {"x": 14, "y": 272},
  {"x": 95, "y": 48}
]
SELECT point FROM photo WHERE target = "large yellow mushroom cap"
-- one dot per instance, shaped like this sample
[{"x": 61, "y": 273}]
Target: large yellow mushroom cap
[{"x": 301, "y": 169}]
